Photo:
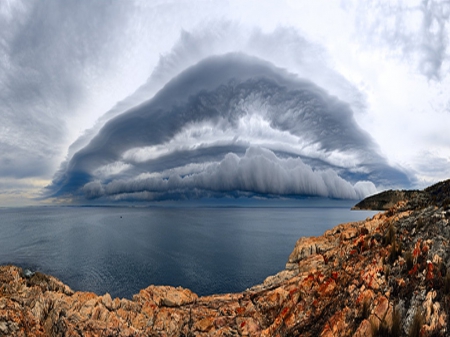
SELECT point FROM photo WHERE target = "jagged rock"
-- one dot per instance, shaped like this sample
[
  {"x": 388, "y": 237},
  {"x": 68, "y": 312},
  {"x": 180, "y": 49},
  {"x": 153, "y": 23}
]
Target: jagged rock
[{"x": 385, "y": 275}]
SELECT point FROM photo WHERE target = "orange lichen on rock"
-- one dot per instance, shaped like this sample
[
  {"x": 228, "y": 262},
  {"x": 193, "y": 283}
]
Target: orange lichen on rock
[{"x": 356, "y": 279}]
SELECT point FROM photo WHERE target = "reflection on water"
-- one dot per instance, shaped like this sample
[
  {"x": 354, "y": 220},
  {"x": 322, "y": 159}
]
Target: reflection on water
[{"x": 121, "y": 250}]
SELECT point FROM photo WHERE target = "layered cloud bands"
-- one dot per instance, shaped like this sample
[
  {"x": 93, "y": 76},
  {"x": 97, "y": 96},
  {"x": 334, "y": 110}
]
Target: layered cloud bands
[
  {"x": 231, "y": 125},
  {"x": 259, "y": 171}
]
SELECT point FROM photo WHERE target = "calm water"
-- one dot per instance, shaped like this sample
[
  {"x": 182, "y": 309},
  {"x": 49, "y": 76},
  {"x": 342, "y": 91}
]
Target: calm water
[{"x": 121, "y": 250}]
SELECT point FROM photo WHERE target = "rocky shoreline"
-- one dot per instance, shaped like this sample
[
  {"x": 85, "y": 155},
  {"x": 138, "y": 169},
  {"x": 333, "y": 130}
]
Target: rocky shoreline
[{"x": 385, "y": 276}]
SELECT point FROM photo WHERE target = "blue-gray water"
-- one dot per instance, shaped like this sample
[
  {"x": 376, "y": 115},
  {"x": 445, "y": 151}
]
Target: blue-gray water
[{"x": 121, "y": 250}]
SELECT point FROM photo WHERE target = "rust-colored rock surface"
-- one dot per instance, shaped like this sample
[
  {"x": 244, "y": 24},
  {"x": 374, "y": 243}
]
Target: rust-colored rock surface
[{"x": 383, "y": 276}]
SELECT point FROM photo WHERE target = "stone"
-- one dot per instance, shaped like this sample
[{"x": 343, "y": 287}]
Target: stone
[
  {"x": 344, "y": 282},
  {"x": 364, "y": 329},
  {"x": 3, "y": 328},
  {"x": 178, "y": 298},
  {"x": 205, "y": 324},
  {"x": 107, "y": 301}
]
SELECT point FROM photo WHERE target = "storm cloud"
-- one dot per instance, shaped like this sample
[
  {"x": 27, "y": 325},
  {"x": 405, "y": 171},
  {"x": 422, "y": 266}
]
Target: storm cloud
[
  {"x": 63, "y": 64},
  {"x": 71, "y": 72},
  {"x": 230, "y": 125},
  {"x": 258, "y": 172},
  {"x": 284, "y": 47}
]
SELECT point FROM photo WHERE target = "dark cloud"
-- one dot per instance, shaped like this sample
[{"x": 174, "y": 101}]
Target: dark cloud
[
  {"x": 293, "y": 52},
  {"x": 230, "y": 124},
  {"x": 63, "y": 64}
]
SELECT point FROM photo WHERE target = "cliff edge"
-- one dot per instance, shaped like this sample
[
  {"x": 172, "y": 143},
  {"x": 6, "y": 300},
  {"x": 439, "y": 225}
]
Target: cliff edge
[{"x": 385, "y": 276}]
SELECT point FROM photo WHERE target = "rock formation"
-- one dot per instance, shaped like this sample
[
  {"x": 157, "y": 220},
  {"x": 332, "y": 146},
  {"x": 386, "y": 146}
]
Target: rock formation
[
  {"x": 385, "y": 276},
  {"x": 437, "y": 194},
  {"x": 385, "y": 200}
]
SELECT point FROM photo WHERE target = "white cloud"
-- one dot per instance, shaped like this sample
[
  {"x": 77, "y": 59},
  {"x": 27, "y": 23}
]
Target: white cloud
[
  {"x": 259, "y": 171},
  {"x": 111, "y": 169},
  {"x": 416, "y": 31},
  {"x": 62, "y": 66},
  {"x": 431, "y": 165}
]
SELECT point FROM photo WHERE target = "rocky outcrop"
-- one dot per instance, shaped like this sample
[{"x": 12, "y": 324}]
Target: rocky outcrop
[
  {"x": 387, "y": 199},
  {"x": 385, "y": 276},
  {"x": 437, "y": 194}
]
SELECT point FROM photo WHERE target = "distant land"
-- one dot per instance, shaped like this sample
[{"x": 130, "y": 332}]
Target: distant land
[
  {"x": 387, "y": 199},
  {"x": 385, "y": 276}
]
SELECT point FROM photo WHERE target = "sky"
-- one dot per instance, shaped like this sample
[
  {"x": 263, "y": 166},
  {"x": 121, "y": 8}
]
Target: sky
[{"x": 107, "y": 101}]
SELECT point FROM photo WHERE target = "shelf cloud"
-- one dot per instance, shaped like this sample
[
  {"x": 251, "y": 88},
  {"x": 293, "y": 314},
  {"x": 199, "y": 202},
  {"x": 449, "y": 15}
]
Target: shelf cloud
[
  {"x": 230, "y": 125},
  {"x": 76, "y": 77}
]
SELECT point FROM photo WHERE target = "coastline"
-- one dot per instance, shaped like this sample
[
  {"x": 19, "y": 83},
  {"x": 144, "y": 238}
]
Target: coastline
[{"x": 384, "y": 274}]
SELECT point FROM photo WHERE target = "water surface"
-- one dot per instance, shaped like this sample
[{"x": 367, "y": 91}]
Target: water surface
[{"x": 121, "y": 250}]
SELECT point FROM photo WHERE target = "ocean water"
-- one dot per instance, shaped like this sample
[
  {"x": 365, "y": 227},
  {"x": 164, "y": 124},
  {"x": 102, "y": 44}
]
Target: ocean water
[{"x": 121, "y": 250}]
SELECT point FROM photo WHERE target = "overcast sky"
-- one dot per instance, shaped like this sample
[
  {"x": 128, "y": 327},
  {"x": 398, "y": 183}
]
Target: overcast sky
[{"x": 376, "y": 74}]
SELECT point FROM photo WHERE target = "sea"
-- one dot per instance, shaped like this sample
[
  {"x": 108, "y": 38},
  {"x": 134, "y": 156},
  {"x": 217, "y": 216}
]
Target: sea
[{"x": 120, "y": 250}]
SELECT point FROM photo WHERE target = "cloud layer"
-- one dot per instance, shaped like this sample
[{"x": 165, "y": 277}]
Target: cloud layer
[
  {"x": 259, "y": 172},
  {"x": 417, "y": 30},
  {"x": 67, "y": 69},
  {"x": 62, "y": 65},
  {"x": 230, "y": 125}
]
